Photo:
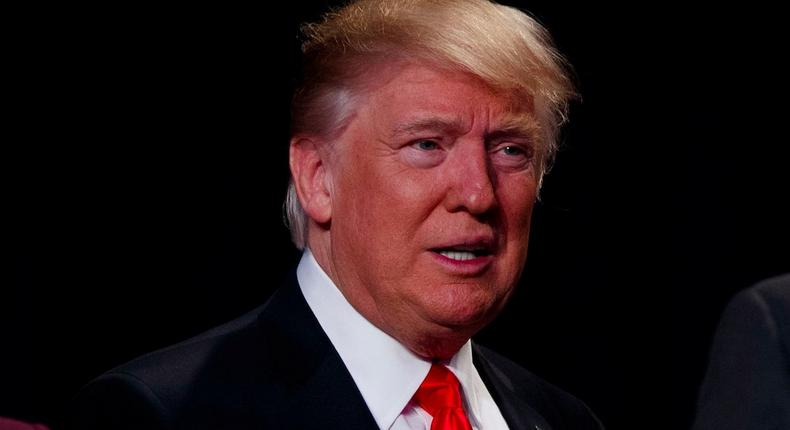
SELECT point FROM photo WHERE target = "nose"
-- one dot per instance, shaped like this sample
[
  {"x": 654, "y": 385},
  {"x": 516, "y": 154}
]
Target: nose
[{"x": 471, "y": 180}]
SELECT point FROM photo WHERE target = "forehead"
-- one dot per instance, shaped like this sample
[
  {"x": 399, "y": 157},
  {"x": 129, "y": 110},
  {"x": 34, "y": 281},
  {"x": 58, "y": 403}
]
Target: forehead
[{"x": 413, "y": 93}]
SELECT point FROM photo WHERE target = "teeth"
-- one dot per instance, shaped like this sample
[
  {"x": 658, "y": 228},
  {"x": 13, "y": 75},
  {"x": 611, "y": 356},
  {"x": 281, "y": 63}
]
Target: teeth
[{"x": 458, "y": 255}]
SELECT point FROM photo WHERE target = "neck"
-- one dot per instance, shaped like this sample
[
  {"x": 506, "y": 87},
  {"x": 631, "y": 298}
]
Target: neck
[{"x": 425, "y": 339}]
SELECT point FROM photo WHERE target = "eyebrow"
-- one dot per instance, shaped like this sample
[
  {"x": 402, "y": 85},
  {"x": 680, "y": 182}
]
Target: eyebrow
[
  {"x": 444, "y": 125},
  {"x": 518, "y": 126}
]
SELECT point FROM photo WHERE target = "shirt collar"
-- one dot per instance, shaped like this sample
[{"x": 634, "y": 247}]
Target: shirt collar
[
  {"x": 386, "y": 372},
  {"x": 462, "y": 366}
]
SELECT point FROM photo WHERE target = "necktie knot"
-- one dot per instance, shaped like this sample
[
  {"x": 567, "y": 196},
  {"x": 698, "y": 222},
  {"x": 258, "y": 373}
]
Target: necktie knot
[{"x": 440, "y": 396}]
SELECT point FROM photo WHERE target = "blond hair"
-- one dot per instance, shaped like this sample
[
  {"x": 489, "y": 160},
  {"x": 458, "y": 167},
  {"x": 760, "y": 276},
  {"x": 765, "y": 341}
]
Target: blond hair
[{"x": 504, "y": 47}]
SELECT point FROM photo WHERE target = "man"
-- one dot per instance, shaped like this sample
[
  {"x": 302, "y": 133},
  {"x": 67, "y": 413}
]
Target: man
[
  {"x": 747, "y": 385},
  {"x": 420, "y": 135}
]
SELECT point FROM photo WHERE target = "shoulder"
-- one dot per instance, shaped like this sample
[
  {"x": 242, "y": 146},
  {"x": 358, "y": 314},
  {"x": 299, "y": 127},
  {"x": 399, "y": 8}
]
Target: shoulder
[
  {"x": 179, "y": 365},
  {"x": 771, "y": 294},
  {"x": 244, "y": 374},
  {"x": 118, "y": 400},
  {"x": 763, "y": 308},
  {"x": 558, "y": 407},
  {"x": 745, "y": 384},
  {"x": 147, "y": 391}
]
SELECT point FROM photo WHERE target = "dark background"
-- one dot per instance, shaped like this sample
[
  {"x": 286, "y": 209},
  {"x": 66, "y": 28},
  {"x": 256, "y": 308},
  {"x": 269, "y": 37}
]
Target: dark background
[{"x": 145, "y": 167}]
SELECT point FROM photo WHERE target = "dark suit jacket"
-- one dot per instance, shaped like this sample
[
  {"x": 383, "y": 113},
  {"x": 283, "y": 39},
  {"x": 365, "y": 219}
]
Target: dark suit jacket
[
  {"x": 747, "y": 385},
  {"x": 274, "y": 368}
]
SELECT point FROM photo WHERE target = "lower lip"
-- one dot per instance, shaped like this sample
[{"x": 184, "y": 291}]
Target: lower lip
[{"x": 471, "y": 267}]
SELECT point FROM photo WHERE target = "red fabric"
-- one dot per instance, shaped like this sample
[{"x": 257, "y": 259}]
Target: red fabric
[
  {"x": 11, "y": 424},
  {"x": 440, "y": 396}
]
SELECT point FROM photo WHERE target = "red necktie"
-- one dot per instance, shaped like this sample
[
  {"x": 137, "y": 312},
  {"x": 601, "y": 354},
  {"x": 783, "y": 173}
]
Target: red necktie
[{"x": 440, "y": 396}]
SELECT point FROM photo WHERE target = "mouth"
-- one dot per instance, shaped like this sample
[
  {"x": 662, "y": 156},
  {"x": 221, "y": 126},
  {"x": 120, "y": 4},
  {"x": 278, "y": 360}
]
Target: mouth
[
  {"x": 462, "y": 253},
  {"x": 471, "y": 257}
]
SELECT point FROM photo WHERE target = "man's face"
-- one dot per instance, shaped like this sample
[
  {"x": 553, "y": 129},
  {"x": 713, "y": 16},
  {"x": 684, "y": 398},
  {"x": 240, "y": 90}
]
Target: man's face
[{"x": 433, "y": 184}]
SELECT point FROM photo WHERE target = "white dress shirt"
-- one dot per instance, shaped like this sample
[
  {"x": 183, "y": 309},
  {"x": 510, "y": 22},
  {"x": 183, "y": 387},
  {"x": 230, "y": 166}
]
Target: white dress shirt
[{"x": 386, "y": 372}]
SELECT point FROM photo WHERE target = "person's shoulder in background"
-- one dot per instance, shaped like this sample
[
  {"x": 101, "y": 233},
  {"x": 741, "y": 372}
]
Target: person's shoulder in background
[{"x": 747, "y": 384}]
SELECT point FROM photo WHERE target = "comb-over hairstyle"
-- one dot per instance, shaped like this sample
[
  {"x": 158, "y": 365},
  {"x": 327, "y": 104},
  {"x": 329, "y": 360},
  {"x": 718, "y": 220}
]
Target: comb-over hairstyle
[{"x": 502, "y": 46}]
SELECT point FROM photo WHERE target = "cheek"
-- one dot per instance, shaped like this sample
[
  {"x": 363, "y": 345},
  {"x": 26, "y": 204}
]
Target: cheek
[
  {"x": 518, "y": 201},
  {"x": 517, "y": 212},
  {"x": 380, "y": 207},
  {"x": 415, "y": 193},
  {"x": 404, "y": 199}
]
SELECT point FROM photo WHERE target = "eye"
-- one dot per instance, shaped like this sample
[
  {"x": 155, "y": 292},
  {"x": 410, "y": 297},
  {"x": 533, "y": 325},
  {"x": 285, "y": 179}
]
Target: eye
[
  {"x": 424, "y": 153},
  {"x": 513, "y": 150},
  {"x": 512, "y": 156},
  {"x": 427, "y": 145}
]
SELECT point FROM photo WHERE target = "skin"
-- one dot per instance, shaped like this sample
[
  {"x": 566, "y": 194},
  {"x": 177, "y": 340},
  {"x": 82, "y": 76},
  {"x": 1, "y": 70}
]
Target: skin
[{"x": 432, "y": 159}]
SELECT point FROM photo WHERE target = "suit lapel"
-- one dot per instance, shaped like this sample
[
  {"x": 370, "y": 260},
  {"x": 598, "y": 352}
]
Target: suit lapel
[
  {"x": 318, "y": 391},
  {"x": 517, "y": 412}
]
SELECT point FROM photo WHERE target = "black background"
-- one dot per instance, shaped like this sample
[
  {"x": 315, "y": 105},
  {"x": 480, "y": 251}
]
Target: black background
[{"x": 145, "y": 167}]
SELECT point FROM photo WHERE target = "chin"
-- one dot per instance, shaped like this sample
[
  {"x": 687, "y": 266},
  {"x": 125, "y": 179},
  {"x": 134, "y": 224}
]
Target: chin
[
  {"x": 468, "y": 319},
  {"x": 450, "y": 330},
  {"x": 466, "y": 308},
  {"x": 439, "y": 347}
]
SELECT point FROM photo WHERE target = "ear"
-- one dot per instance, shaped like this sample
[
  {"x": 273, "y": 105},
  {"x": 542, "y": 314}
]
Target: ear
[{"x": 310, "y": 176}]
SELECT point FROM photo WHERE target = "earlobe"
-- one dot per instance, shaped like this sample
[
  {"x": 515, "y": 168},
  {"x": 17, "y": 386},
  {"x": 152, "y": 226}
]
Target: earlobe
[{"x": 310, "y": 176}]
